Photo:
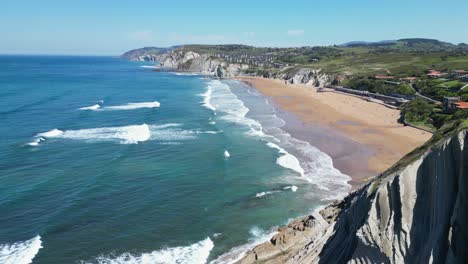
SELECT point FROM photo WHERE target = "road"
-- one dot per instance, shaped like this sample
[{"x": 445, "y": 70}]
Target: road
[{"x": 422, "y": 96}]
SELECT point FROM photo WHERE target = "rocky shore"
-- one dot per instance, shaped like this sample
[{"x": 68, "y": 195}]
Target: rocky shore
[
  {"x": 193, "y": 62},
  {"x": 412, "y": 213}
]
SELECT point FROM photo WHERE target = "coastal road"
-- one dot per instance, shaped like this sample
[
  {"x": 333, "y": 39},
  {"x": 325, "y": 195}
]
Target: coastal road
[{"x": 422, "y": 96}]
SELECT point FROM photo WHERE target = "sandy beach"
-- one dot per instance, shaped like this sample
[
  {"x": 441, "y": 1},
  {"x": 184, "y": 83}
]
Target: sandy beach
[{"x": 363, "y": 138}]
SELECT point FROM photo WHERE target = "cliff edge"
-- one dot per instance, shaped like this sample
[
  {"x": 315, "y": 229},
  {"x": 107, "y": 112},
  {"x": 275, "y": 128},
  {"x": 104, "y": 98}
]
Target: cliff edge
[
  {"x": 220, "y": 65},
  {"x": 415, "y": 212}
]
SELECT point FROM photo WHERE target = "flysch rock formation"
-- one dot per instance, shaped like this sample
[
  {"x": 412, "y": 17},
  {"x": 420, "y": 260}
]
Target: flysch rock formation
[
  {"x": 415, "y": 212},
  {"x": 188, "y": 61}
]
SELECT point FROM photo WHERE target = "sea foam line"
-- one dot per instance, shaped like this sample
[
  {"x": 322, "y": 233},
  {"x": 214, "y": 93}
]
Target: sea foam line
[
  {"x": 133, "y": 134},
  {"x": 20, "y": 252},
  {"x": 197, "y": 253},
  {"x": 314, "y": 166},
  {"x": 128, "y": 106}
]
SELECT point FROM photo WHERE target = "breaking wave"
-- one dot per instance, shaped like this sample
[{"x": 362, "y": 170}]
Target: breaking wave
[
  {"x": 293, "y": 188},
  {"x": 133, "y": 134},
  {"x": 20, "y": 252},
  {"x": 124, "y": 135},
  {"x": 132, "y": 106},
  {"x": 128, "y": 106},
  {"x": 258, "y": 236},
  {"x": 299, "y": 156},
  {"x": 207, "y": 98},
  {"x": 197, "y": 253},
  {"x": 92, "y": 107},
  {"x": 261, "y": 194},
  {"x": 287, "y": 160}
]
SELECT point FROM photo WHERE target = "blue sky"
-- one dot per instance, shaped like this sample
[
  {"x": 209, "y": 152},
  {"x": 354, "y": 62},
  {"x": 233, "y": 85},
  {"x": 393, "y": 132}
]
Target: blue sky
[{"x": 103, "y": 27}]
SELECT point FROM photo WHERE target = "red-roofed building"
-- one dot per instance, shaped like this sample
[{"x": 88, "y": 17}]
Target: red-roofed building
[
  {"x": 434, "y": 74},
  {"x": 462, "y": 105}
]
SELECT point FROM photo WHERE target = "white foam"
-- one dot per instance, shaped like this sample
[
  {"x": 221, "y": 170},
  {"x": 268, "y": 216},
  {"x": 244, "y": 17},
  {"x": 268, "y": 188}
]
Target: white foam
[
  {"x": 292, "y": 188},
  {"x": 197, "y": 253},
  {"x": 226, "y": 154},
  {"x": 219, "y": 97},
  {"x": 92, "y": 107},
  {"x": 287, "y": 160},
  {"x": 261, "y": 194},
  {"x": 258, "y": 236},
  {"x": 132, "y": 134},
  {"x": 125, "y": 135},
  {"x": 207, "y": 98},
  {"x": 133, "y": 106},
  {"x": 171, "y": 132},
  {"x": 50, "y": 134},
  {"x": 149, "y": 66},
  {"x": 309, "y": 162},
  {"x": 20, "y": 252},
  {"x": 36, "y": 142}
]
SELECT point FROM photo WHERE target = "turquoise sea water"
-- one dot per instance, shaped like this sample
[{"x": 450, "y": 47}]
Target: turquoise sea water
[{"x": 106, "y": 161}]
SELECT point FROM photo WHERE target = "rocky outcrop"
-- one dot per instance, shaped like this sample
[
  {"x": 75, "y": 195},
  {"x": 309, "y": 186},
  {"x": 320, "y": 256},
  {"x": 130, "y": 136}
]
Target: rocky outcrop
[
  {"x": 415, "y": 212},
  {"x": 189, "y": 61},
  {"x": 304, "y": 76},
  {"x": 146, "y": 54},
  {"x": 224, "y": 65}
]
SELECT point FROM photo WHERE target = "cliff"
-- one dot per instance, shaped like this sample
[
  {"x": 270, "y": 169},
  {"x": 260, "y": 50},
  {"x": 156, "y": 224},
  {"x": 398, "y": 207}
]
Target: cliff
[
  {"x": 222, "y": 66},
  {"x": 415, "y": 212},
  {"x": 146, "y": 54}
]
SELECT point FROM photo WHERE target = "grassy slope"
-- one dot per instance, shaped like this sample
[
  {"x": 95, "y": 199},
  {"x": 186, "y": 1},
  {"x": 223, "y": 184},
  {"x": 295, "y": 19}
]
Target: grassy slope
[{"x": 395, "y": 63}]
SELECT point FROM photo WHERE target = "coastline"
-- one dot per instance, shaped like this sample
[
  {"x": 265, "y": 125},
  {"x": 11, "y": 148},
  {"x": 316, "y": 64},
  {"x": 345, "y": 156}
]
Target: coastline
[{"x": 363, "y": 138}]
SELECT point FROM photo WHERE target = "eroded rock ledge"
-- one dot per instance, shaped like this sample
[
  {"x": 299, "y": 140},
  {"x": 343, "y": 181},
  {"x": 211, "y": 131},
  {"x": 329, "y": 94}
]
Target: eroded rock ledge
[{"x": 415, "y": 212}]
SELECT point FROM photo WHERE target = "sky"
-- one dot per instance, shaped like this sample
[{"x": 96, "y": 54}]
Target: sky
[{"x": 104, "y": 27}]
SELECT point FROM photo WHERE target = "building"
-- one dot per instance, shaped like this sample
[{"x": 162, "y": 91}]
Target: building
[
  {"x": 434, "y": 74},
  {"x": 409, "y": 79},
  {"x": 462, "y": 106},
  {"x": 459, "y": 73},
  {"x": 450, "y": 104},
  {"x": 463, "y": 78}
]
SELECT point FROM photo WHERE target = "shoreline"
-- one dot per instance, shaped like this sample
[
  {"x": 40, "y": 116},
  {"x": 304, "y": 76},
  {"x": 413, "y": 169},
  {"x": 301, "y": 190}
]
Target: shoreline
[{"x": 362, "y": 138}]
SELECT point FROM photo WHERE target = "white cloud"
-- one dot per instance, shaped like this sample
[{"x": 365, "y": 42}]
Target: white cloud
[{"x": 296, "y": 32}]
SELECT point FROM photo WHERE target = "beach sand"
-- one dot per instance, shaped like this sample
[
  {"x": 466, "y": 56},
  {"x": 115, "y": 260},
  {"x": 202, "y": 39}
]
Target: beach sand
[{"x": 363, "y": 138}]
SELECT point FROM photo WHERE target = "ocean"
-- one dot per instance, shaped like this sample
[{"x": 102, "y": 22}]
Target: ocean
[{"x": 106, "y": 161}]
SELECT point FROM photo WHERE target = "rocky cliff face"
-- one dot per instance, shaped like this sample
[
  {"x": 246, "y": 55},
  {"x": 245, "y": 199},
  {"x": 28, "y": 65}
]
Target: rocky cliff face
[
  {"x": 189, "y": 61},
  {"x": 415, "y": 212}
]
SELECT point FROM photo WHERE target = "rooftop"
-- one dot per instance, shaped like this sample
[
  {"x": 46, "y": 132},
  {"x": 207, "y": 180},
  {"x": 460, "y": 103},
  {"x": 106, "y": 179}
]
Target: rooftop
[{"x": 462, "y": 105}]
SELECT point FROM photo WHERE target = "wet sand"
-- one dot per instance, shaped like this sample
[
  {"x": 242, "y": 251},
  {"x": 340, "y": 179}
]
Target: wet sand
[{"x": 362, "y": 138}]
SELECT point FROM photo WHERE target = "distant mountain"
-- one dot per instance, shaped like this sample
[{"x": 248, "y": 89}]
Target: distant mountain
[
  {"x": 366, "y": 43},
  {"x": 408, "y": 45}
]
